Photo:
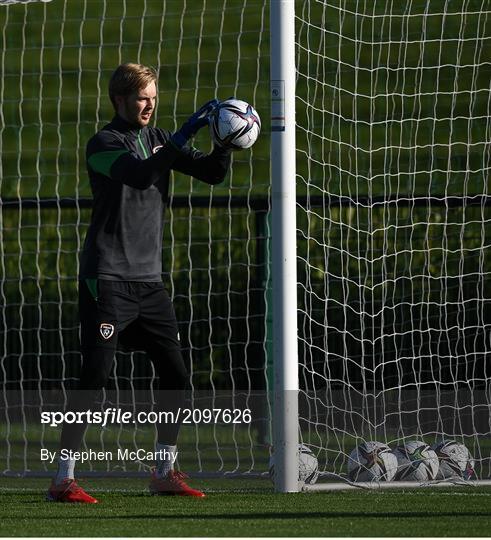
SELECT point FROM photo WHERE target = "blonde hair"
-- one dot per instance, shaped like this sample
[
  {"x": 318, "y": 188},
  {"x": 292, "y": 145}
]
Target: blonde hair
[{"x": 129, "y": 78}]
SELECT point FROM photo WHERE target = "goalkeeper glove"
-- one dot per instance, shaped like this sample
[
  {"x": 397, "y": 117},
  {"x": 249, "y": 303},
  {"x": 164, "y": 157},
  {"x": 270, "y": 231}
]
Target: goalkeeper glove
[{"x": 194, "y": 123}]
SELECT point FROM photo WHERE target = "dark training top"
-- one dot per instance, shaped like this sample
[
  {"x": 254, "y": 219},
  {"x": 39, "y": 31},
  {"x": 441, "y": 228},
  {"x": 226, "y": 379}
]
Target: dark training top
[{"x": 129, "y": 171}]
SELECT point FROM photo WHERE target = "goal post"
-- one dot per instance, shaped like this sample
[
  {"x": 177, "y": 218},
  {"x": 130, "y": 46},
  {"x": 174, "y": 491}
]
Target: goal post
[{"x": 283, "y": 180}]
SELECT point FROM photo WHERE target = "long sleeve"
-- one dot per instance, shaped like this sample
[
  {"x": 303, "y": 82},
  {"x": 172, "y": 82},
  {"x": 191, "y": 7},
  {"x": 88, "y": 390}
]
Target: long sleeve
[
  {"x": 108, "y": 155},
  {"x": 210, "y": 168}
]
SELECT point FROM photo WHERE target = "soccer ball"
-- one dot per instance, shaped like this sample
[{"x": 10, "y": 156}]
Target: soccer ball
[
  {"x": 416, "y": 461},
  {"x": 308, "y": 466},
  {"x": 235, "y": 124},
  {"x": 455, "y": 460},
  {"x": 371, "y": 461}
]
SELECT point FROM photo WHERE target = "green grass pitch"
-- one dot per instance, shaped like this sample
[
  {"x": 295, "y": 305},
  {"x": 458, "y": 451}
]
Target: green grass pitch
[{"x": 235, "y": 508}]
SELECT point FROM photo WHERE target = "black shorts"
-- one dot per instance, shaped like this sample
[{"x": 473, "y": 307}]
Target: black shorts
[{"x": 132, "y": 314}]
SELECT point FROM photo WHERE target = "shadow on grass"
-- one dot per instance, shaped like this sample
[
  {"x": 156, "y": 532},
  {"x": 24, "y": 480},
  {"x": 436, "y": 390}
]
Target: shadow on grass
[{"x": 276, "y": 515}]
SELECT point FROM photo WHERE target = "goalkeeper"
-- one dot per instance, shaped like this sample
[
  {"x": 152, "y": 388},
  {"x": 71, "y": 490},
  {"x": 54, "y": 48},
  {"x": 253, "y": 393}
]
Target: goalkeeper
[{"x": 121, "y": 294}]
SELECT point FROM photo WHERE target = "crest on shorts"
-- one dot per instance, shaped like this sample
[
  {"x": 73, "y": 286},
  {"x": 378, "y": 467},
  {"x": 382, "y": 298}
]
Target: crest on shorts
[{"x": 106, "y": 330}]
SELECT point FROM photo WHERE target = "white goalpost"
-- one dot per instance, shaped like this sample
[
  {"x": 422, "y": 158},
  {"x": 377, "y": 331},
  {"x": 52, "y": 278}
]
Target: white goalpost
[
  {"x": 285, "y": 349},
  {"x": 337, "y": 284}
]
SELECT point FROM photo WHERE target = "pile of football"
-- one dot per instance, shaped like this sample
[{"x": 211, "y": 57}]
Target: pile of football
[{"x": 412, "y": 461}]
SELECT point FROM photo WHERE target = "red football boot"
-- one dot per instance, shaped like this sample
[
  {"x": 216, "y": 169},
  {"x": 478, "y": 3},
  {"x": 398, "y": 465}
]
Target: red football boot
[
  {"x": 69, "y": 491},
  {"x": 172, "y": 484}
]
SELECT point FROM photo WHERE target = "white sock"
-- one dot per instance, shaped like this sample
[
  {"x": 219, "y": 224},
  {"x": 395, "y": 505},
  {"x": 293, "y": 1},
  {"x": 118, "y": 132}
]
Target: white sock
[
  {"x": 165, "y": 461},
  {"x": 66, "y": 469}
]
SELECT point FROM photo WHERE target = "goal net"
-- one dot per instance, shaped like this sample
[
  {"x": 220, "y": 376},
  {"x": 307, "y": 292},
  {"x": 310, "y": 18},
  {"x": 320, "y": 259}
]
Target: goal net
[
  {"x": 56, "y": 59},
  {"x": 393, "y": 224},
  {"x": 394, "y": 227}
]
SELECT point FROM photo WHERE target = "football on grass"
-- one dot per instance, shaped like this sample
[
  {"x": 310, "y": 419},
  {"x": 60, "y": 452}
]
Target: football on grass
[
  {"x": 235, "y": 124},
  {"x": 372, "y": 461},
  {"x": 455, "y": 460},
  {"x": 308, "y": 465},
  {"x": 416, "y": 461}
]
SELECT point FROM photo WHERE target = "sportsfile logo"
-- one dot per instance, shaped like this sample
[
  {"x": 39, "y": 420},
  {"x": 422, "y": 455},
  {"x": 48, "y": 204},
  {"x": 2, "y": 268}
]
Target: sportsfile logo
[{"x": 118, "y": 416}]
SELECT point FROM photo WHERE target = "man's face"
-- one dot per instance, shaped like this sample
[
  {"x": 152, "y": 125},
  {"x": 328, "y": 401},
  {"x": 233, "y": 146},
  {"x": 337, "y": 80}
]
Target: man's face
[{"x": 137, "y": 108}]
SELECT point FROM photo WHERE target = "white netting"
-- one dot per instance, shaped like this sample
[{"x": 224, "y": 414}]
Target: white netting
[
  {"x": 393, "y": 103},
  {"x": 394, "y": 224},
  {"x": 7, "y": 2},
  {"x": 56, "y": 61}
]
